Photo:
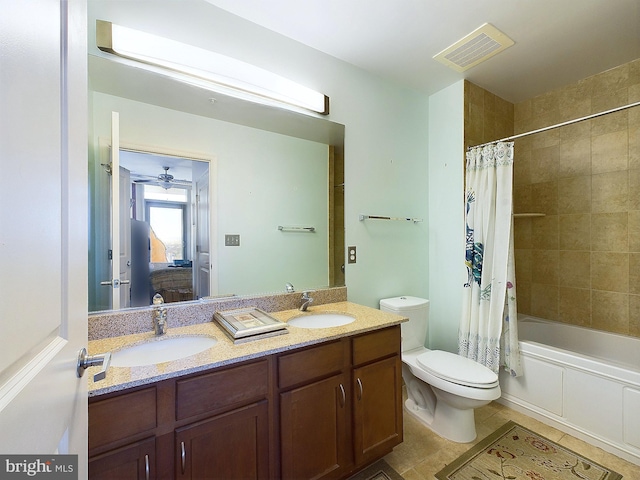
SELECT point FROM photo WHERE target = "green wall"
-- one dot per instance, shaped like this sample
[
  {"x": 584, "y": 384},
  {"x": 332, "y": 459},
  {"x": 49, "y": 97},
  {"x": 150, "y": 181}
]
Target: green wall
[{"x": 446, "y": 215}]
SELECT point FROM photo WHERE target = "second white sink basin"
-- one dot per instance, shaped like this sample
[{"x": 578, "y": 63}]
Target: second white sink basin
[
  {"x": 321, "y": 320},
  {"x": 161, "y": 350}
]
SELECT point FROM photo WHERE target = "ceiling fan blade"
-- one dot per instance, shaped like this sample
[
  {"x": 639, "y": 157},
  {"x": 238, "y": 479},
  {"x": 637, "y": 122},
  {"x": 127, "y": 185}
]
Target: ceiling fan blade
[{"x": 162, "y": 179}]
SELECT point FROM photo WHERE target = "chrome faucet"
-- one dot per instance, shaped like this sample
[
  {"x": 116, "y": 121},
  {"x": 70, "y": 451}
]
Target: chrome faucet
[
  {"x": 306, "y": 300},
  {"x": 159, "y": 315}
]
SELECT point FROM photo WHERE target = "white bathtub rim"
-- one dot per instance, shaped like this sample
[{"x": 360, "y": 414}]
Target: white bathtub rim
[
  {"x": 593, "y": 365},
  {"x": 633, "y": 363},
  {"x": 624, "y": 451}
]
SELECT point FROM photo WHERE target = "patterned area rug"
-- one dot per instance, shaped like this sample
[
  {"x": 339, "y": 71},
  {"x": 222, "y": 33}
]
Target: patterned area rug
[
  {"x": 377, "y": 471},
  {"x": 515, "y": 453}
]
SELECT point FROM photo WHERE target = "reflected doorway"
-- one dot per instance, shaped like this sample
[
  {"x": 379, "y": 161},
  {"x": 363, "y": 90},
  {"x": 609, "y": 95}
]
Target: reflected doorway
[
  {"x": 163, "y": 225},
  {"x": 164, "y": 199}
]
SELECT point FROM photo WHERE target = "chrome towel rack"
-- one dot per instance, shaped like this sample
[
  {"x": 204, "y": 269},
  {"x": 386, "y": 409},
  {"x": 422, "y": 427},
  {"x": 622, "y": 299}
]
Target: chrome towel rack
[
  {"x": 382, "y": 217},
  {"x": 284, "y": 228}
]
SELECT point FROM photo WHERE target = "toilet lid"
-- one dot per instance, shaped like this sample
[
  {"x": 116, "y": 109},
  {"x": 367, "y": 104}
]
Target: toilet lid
[{"x": 454, "y": 368}]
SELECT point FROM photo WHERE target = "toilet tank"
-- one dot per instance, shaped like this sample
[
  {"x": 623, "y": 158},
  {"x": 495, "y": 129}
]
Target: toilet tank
[{"x": 414, "y": 332}]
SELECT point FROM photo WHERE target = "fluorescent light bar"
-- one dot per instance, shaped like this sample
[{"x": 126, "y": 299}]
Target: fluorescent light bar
[{"x": 206, "y": 65}]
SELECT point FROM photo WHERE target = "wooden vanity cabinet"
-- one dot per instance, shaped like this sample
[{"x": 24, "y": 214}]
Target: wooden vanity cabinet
[
  {"x": 377, "y": 386},
  {"x": 229, "y": 437},
  {"x": 315, "y": 413},
  {"x": 233, "y": 445},
  {"x": 122, "y": 432},
  {"x": 208, "y": 425},
  {"x": 340, "y": 405},
  {"x": 323, "y": 411}
]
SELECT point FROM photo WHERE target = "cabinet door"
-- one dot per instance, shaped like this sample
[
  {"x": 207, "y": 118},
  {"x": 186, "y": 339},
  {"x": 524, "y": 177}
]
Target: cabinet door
[
  {"x": 135, "y": 461},
  {"x": 377, "y": 409},
  {"x": 136, "y": 414},
  {"x": 315, "y": 438},
  {"x": 233, "y": 446}
]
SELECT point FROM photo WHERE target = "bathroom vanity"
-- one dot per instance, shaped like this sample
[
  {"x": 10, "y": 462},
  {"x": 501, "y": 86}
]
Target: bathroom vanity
[{"x": 314, "y": 403}]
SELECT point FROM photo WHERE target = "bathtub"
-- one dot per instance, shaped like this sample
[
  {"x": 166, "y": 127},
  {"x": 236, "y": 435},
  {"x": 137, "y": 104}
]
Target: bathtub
[{"x": 581, "y": 381}]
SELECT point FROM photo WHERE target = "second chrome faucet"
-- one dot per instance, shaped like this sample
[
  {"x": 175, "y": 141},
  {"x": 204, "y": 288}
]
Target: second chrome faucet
[{"x": 306, "y": 300}]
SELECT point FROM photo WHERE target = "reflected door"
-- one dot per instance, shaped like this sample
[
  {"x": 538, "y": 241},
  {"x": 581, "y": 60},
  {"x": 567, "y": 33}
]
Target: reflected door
[
  {"x": 120, "y": 251},
  {"x": 202, "y": 270},
  {"x": 124, "y": 209}
]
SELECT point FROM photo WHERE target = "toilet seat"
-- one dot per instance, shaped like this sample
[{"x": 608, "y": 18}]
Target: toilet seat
[{"x": 456, "y": 369}]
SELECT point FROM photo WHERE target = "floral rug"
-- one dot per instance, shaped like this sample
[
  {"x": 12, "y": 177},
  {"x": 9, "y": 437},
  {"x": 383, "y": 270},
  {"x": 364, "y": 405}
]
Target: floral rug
[{"x": 515, "y": 453}]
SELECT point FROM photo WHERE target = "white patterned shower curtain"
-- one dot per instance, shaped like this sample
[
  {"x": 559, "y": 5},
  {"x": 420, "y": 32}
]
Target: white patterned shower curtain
[{"x": 488, "y": 330}]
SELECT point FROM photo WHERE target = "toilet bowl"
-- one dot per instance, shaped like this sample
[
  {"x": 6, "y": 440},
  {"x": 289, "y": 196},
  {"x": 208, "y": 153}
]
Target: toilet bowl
[{"x": 443, "y": 389}]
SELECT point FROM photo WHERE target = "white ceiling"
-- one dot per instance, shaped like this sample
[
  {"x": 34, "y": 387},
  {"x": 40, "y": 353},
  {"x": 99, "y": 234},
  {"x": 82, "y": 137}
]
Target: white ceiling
[
  {"x": 557, "y": 42},
  {"x": 148, "y": 164}
]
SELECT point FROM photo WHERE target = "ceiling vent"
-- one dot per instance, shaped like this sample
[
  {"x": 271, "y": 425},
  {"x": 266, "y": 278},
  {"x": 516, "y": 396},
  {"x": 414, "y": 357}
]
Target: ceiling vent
[{"x": 481, "y": 44}]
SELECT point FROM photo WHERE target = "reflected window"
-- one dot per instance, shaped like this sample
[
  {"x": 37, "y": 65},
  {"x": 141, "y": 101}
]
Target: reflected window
[
  {"x": 168, "y": 232},
  {"x": 153, "y": 192}
]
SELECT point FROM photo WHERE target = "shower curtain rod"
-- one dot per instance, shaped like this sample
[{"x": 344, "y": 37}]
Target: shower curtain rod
[{"x": 551, "y": 127}]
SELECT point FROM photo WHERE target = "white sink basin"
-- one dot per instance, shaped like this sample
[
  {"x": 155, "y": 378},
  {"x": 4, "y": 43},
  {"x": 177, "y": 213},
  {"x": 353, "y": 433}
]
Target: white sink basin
[
  {"x": 161, "y": 350},
  {"x": 321, "y": 320}
]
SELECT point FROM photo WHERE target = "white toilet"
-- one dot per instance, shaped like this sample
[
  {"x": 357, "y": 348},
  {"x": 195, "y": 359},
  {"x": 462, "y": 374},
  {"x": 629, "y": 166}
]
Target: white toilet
[{"x": 443, "y": 388}]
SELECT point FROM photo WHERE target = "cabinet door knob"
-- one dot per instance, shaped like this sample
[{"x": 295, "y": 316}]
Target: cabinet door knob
[
  {"x": 343, "y": 399},
  {"x": 359, "y": 389}
]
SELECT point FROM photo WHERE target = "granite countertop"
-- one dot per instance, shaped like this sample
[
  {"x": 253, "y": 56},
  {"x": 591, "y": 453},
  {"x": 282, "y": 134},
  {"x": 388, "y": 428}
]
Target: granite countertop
[{"x": 225, "y": 352}]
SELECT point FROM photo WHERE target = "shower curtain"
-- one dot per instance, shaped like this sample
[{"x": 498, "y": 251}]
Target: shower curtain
[{"x": 488, "y": 330}]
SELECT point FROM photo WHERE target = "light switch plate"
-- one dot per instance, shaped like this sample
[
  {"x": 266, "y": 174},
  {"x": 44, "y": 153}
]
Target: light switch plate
[{"x": 232, "y": 240}]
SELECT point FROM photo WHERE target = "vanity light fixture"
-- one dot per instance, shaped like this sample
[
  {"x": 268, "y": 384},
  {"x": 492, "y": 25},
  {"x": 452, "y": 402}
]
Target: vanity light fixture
[{"x": 222, "y": 74}]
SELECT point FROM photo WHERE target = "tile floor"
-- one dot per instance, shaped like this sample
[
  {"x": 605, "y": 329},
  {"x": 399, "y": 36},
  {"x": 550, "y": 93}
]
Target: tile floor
[{"x": 423, "y": 453}]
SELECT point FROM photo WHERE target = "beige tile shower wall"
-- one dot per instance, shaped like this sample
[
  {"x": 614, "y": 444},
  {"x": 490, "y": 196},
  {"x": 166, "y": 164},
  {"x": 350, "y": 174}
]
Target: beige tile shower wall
[
  {"x": 487, "y": 117},
  {"x": 580, "y": 263}
]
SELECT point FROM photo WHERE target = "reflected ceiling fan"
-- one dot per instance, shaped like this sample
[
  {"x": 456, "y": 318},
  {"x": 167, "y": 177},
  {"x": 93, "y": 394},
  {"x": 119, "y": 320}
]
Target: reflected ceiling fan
[{"x": 164, "y": 180}]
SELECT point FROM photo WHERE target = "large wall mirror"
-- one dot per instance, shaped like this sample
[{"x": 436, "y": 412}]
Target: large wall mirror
[{"x": 273, "y": 212}]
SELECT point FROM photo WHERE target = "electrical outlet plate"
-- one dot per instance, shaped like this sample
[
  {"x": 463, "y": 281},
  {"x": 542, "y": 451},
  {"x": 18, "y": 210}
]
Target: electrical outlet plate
[{"x": 351, "y": 255}]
